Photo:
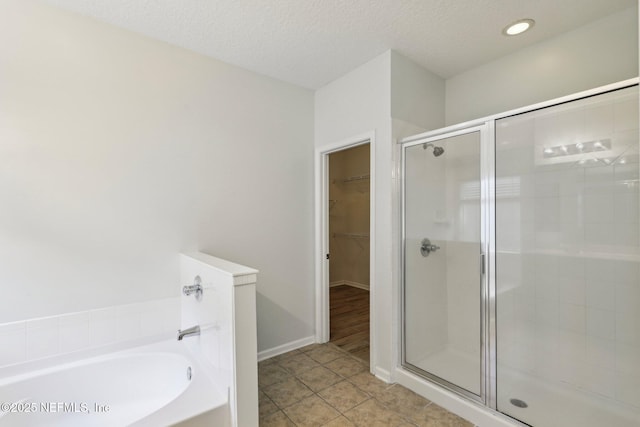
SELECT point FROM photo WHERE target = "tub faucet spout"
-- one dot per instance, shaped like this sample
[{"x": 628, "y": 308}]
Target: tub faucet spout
[{"x": 194, "y": 330}]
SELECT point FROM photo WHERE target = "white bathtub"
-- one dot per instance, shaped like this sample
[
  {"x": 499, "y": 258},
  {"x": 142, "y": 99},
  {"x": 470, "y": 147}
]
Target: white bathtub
[{"x": 142, "y": 386}]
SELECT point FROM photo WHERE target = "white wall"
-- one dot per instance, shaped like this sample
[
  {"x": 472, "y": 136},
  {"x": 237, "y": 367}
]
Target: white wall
[
  {"x": 417, "y": 95},
  {"x": 360, "y": 102},
  {"x": 354, "y": 104},
  {"x": 426, "y": 329},
  {"x": 117, "y": 152},
  {"x": 596, "y": 54}
]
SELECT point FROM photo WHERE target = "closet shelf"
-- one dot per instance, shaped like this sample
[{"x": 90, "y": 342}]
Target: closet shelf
[
  {"x": 352, "y": 235},
  {"x": 353, "y": 178}
]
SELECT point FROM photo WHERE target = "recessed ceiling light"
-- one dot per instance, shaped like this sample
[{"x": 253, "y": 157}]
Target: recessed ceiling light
[{"x": 518, "y": 27}]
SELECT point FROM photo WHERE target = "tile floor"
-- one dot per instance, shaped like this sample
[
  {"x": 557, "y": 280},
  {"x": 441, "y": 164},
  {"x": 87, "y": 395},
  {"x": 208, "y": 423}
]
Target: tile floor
[{"x": 323, "y": 385}]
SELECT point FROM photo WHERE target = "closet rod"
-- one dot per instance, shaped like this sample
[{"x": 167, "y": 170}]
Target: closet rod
[{"x": 355, "y": 178}]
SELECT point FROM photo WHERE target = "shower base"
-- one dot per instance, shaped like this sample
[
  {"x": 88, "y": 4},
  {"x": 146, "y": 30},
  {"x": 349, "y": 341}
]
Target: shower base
[
  {"x": 554, "y": 405},
  {"x": 547, "y": 405},
  {"x": 455, "y": 366}
]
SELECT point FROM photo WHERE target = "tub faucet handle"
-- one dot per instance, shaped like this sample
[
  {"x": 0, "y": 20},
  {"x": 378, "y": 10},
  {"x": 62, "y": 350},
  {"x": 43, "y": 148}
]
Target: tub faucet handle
[{"x": 195, "y": 288}]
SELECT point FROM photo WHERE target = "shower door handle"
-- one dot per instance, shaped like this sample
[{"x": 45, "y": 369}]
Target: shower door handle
[{"x": 426, "y": 247}]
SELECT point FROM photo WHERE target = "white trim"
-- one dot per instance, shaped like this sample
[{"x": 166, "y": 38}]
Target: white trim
[
  {"x": 349, "y": 283},
  {"x": 321, "y": 235},
  {"x": 383, "y": 374},
  {"x": 373, "y": 317},
  {"x": 350, "y": 142},
  {"x": 285, "y": 348}
]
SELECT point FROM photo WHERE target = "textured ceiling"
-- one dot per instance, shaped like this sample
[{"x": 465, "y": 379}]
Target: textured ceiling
[{"x": 312, "y": 42}]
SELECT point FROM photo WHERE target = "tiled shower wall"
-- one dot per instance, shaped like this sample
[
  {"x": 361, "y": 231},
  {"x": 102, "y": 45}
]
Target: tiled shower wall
[
  {"x": 50, "y": 336},
  {"x": 443, "y": 290},
  {"x": 568, "y": 249},
  {"x": 463, "y": 249},
  {"x": 425, "y": 279}
]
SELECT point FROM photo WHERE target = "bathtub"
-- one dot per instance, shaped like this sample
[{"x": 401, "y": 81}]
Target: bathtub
[{"x": 158, "y": 384}]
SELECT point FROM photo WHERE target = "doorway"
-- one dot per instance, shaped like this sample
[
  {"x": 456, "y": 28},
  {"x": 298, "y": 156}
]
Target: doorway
[
  {"x": 363, "y": 237},
  {"x": 349, "y": 198}
]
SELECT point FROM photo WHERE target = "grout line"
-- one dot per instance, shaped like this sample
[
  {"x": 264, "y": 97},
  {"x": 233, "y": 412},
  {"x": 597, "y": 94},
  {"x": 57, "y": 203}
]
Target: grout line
[{"x": 344, "y": 353}]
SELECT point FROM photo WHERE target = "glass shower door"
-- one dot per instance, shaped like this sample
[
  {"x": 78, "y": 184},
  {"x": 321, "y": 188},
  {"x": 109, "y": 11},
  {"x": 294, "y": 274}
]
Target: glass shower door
[
  {"x": 568, "y": 263},
  {"x": 442, "y": 260}
]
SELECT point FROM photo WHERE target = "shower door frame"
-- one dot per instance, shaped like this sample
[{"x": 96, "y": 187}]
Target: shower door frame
[
  {"x": 488, "y": 317},
  {"x": 487, "y": 143}
]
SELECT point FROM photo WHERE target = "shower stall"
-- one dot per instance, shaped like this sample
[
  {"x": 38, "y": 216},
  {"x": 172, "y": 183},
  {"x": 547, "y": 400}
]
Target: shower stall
[{"x": 521, "y": 260}]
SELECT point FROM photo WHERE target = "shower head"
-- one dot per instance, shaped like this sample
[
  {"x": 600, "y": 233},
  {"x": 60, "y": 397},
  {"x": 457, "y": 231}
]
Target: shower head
[{"x": 437, "y": 151}]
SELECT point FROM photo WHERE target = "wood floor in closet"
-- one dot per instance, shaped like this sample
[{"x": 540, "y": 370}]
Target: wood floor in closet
[{"x": 349, "y": 311}]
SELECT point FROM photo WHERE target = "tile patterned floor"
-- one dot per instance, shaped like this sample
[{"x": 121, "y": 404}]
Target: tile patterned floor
[{"x": 323, "y": 385}]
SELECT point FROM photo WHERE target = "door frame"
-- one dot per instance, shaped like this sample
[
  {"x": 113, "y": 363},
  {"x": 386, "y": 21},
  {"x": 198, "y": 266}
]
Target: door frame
[{"x": 322, "y": 329}]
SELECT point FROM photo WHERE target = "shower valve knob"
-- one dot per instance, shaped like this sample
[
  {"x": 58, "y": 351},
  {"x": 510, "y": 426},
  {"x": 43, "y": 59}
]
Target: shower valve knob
[
  {"x": 196, "y": 288},
  {"x": 426, "y": 247}
]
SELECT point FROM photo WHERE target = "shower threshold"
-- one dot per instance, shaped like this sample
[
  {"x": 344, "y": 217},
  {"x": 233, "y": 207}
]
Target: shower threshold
[{"x": 455, "y": 366}]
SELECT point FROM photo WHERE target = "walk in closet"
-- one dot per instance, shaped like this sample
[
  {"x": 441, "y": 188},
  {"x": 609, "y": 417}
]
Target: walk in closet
[{"x": 349, "y": 218}]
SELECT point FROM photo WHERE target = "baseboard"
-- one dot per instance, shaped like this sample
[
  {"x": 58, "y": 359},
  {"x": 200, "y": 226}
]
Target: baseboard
[
  {"x": 284, "y": 348},
  {"x": 349, "y": 283},
  {"x": 382, "y": 374}
]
